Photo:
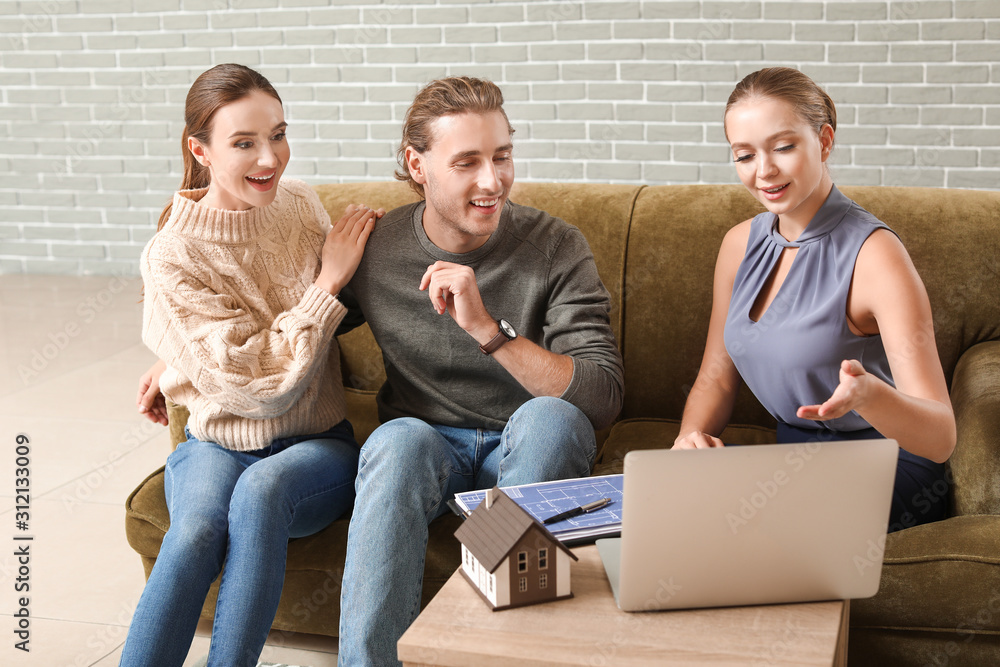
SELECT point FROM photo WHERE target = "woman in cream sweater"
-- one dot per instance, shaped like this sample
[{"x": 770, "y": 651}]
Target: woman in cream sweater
[{"x": 240, "y": 305}]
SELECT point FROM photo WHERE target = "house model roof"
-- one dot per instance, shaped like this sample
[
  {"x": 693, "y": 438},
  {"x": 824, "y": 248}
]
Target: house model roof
[{"x": 490, "y": 533}]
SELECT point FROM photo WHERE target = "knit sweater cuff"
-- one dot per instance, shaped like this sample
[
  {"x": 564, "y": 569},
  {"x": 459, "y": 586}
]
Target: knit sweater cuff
[{"x": 318, "y": 303}]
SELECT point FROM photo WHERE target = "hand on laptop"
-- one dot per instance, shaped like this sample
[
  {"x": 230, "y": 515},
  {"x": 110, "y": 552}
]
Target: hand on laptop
[{"x": 697, "y": 440}]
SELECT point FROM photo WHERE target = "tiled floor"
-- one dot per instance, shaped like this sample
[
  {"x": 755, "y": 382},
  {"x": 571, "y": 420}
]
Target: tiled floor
[{"x": 70, "y": 359}]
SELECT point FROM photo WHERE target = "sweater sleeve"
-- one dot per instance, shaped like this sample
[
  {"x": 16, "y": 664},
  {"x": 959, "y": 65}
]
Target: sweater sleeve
[
  {"x": 353, "y": 318},
  {"x": 210, "y": 337},
  {"x": 578, "y": 325}
]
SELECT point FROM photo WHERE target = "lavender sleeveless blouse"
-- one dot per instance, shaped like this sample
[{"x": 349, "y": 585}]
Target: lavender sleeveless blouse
[{"x": 791, "y": 356}]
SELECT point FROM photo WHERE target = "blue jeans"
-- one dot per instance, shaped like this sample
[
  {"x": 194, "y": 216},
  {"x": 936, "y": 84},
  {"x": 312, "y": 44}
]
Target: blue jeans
[
  {"x": 236, "y": 509},
  {"x": 408, "y": 470}
]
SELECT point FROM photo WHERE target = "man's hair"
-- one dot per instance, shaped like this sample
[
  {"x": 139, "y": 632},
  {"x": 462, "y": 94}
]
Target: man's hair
[{"x": 443, "y": 97}]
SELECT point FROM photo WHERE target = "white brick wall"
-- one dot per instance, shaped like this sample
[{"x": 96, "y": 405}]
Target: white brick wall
[{"x": 91, "y": 94}]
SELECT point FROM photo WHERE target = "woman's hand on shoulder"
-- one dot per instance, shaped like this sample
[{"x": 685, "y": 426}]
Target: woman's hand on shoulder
[
  {"x": 345, "y": 245},
  {"x": 697, "y": 440}
]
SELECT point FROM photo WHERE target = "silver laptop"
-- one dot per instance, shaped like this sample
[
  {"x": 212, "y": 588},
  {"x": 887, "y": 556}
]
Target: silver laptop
[{"x": 751, "y": 525}]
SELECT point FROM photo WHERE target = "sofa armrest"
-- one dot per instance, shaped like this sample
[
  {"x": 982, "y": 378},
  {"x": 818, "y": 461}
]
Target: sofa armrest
[
  {"x": 177, "y": 417},
  {"x": 938, "y": 576},
  {"x": 975, "y": 397}
]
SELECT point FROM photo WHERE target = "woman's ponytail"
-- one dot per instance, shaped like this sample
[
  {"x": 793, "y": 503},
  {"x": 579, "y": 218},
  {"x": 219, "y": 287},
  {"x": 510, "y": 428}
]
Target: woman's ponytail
[{"x": 196, "y": 176}]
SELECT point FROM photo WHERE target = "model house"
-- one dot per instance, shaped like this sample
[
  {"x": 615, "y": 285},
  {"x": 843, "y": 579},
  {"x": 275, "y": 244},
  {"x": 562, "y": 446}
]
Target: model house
[{"x": 509, "y": 557}]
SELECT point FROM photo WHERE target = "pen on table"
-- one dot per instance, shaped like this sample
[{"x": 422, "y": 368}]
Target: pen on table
[
  {"x": 457, "y": 509},
  {"x": 583, "y": 509}
]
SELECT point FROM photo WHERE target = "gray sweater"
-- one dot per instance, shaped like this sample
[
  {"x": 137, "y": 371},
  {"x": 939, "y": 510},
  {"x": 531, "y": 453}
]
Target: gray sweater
[{"x": 535, "y": 271}]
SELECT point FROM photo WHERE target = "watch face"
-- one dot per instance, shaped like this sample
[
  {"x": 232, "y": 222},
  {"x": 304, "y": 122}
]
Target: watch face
[{"x": 507, "y": 329}]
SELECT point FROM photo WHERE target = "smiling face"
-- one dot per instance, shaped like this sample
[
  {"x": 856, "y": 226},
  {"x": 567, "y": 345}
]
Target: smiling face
[
  {"x": 780, "y": 159},
  {"x": 246, "y": 154},
  {"x": 467, "y": 174}
]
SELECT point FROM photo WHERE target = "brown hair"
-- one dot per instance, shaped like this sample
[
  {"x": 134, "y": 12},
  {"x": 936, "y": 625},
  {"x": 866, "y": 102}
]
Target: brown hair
[
  {"x": 810, "y": 102},
  {"x": 443, "y": 97},
  {"x": 212, "y": 90}
]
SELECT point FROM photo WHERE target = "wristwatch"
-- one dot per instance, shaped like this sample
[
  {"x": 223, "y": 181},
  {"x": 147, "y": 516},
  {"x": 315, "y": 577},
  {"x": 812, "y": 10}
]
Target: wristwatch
[{"x": 505, "y": 334}]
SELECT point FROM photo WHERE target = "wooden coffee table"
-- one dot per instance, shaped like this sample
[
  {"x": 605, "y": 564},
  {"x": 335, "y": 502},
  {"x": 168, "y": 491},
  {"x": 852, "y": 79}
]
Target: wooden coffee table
[{"x": 458, "y": 629}]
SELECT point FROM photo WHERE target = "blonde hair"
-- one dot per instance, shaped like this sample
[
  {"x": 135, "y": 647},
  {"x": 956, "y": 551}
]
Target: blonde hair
[
  {"x": 443, "y": 97},
  {"x": 811, "y": 103}
]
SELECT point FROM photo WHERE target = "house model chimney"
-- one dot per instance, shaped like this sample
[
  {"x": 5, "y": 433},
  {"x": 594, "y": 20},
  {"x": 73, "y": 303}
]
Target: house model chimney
[{"x": 489, "y": 498}]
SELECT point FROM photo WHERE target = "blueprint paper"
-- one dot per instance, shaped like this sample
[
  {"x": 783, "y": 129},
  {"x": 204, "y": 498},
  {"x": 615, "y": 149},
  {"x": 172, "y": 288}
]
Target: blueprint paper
[{"x": 547, "y": 499}]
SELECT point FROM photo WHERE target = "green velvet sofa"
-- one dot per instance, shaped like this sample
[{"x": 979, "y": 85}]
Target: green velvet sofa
[{"x": 655, "y": 246}]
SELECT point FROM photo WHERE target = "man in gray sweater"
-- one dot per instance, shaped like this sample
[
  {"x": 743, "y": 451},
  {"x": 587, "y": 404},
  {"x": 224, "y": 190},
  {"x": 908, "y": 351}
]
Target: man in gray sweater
[{"x": 498, "y": 350}]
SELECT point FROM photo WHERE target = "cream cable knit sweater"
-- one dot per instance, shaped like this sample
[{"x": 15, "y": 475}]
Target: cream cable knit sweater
[{"x": 230, "y": 307}]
